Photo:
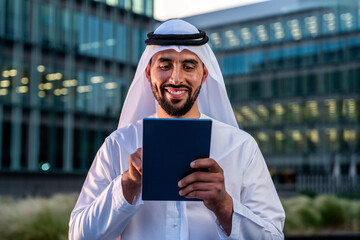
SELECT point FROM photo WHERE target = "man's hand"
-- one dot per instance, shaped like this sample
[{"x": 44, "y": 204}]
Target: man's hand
[
  {"x": 209, "y": 187},
  {"x": 131, "y": 179}
]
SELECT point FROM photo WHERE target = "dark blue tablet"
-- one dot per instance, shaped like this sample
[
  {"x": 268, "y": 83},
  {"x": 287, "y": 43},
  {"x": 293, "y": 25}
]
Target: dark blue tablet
[{"x": 169, "y": 146}]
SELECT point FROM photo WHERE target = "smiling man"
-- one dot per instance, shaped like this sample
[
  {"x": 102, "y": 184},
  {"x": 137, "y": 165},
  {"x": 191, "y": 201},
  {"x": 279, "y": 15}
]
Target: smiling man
[{"x": 178, "y": 77}]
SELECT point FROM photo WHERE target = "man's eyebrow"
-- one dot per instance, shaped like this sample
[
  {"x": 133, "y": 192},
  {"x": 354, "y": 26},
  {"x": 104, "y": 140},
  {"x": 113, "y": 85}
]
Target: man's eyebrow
[
  {"x": 164, "y": 59},
  {"x": 192, "y": 61}
]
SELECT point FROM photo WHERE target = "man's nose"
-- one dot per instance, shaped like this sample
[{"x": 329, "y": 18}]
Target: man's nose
[{"x": 175, "y": 77}]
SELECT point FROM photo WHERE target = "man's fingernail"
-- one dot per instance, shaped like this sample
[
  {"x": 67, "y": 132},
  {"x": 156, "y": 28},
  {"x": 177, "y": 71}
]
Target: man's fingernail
[
  {"x": 192, "y": 164},
  {"x": 179, "y": 183},
  {"x": 180, "y": 192}
]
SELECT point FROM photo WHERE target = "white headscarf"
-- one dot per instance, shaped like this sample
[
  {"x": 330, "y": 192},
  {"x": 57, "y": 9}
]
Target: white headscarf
[{"x": 212, "y": 101}]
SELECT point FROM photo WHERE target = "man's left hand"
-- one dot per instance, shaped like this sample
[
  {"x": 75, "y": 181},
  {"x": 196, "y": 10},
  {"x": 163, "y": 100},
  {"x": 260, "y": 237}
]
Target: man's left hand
[{"x": 210, "y": 187}]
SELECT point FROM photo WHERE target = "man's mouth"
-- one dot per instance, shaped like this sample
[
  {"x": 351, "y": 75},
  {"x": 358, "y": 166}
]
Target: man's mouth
[{"x": 176, "y": 92}]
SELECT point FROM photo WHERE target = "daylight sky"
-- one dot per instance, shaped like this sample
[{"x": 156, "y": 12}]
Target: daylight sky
[{"x": 165, "y": 9}]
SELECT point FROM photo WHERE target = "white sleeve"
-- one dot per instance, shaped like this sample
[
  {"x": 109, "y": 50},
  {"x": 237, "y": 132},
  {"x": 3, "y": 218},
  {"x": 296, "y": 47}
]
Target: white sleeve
[
  {"x": 259, "y": 214},
  {"x": 102, "y": 211}
]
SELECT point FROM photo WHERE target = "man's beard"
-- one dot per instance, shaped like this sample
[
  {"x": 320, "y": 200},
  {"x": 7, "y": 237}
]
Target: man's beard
[{"x": 169, "y": 106}]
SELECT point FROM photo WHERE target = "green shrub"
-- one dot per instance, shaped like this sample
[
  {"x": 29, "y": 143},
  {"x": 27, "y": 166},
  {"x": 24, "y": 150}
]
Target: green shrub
[
  {"x": 332, "y": 212},
  {"x": 36, "y": 218}
]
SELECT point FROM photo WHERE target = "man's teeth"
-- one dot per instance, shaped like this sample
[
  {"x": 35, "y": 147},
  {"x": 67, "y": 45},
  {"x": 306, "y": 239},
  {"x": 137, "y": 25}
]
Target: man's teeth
[{"x": 176, "y": 92}]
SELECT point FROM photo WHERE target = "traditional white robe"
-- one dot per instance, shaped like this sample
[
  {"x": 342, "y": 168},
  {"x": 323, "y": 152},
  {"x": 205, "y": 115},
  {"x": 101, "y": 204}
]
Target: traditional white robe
[{"x": 102, "y": 212}]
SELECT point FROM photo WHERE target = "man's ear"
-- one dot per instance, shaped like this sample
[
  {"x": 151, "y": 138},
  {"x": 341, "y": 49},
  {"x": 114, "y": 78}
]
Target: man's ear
[
  {"x": 147, "y": 72},
  {"x": 205, "y": 74}
]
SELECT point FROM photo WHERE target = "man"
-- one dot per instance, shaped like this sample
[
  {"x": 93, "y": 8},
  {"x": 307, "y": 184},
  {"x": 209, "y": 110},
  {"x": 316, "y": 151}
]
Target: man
[{"x": 178, "y": 77}]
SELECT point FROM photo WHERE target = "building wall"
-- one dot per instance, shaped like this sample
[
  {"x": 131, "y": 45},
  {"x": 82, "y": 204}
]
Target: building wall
[
  {"x": 65, "y": 67},
  {"x": 294, "y": 82}
]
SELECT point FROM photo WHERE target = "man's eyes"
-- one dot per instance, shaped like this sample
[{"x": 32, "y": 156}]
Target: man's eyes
[
  {"x": 169, "y": 66},
  {"x": 165, "y": 67}
]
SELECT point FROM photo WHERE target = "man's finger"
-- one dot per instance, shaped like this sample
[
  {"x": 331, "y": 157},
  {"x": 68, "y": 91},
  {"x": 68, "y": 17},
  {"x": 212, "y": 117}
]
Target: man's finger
[
  {"x": 200, "y": 177},
  {"x": 207, "y": 163}
]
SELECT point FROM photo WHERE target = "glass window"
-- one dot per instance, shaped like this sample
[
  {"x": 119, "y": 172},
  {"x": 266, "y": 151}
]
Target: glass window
[
  {"x": 333, "y": 82},
  {"x": 93, "y": 31},
  {"x": 294, "y": 112},
  {"x": 311, "y": 111},
  {"x": 149, "y": 8},
  {"x": 311, "y": 27},
  {"x": 312, "y": 140},
  {"x": 350, "y": 110},
  {"x": 232, "y": 39},
  {"x": 83, "y": 42},
  {"x": 333, "y": 51},
  {"x": 277, "y": 114},
  {"x": 331, "y": 111},
  {"x": 330, "y": 23},
  {"x": 295, "y": 29},
  {"x": 257, "y": 61},
  {"x": 347, "y": 20},
  {"x": 331, "y": 140},
  {"x": 121, "y": 42},
  {"x": 138, "y": 6},
  {"x": 353, "y": 80},
  {"x": 262, "y": 33},
  {"x": 277, "y": 31},
  {"x": 108, "y": 39},
  {"x": 354, "y": 48},
  {"x": 276, "y": 58}
]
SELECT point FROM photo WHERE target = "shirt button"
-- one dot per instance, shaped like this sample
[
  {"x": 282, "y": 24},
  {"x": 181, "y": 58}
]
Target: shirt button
[{"x": 175, "y": 225}]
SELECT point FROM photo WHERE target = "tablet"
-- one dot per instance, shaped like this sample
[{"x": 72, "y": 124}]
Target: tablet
[{"x": 169, "y": 146}]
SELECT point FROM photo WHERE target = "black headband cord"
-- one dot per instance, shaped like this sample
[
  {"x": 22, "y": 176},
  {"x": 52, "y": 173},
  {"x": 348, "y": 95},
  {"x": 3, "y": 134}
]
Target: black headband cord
[{"x": 195, "y": 39}]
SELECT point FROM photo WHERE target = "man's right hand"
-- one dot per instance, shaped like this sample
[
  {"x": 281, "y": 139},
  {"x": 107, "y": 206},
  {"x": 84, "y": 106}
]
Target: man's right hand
[{"x": 131, "y": 179}]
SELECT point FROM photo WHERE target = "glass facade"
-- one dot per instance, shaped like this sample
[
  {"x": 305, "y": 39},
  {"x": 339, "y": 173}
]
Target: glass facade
[
  {"x": 65, "y": 67},
  {"x": 294, "y": 83}
]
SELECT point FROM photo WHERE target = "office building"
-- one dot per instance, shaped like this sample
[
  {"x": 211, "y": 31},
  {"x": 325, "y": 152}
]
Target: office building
[
  {"x": 65, "y": 67},
  {"x": 292, "y": 71}
]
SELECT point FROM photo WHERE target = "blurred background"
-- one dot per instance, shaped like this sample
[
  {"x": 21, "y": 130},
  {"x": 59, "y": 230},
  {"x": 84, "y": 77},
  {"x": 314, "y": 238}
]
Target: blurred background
[{"x": 291, "y": 67}]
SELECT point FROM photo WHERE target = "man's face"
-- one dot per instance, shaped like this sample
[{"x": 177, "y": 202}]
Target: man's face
[{"x": 176, "y": 79}]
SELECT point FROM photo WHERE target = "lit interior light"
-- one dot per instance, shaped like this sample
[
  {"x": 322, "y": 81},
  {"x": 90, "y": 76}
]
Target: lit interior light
[
  {"x": 233, "y": 40},
  {"x": 330, "y": 19},
  {"x": 110, "y": 42},
  {"x": 22, "y": 89},
  {"x": 3, "y": 92},
  {"x": 95, "y": 44},
  {"x": 12, "y": 72},
  {"x": 263, "y": 136},
  {"x": 58, "y": 76},
  {"x": 296, "y": 135},
  {"x": 313, "y": 109},
  {"x": 215, "y": 37},
  {"x": 348, "y": 19},
  {"x": 279, "y": 30},
  {"x": 63, "y": 91},
  {"x": 5, "y": 74},
  {"x": 279, "y": 135},
  {"x": 313, "y": 135},
  {"x": 113, "y": 3},
  {"x": 279, "y": 109},
  {"x": 40, "y": 68},
  {"x": 97, "y": 79},
  {"x": 45, "y": 166},
  {"x": 110, "y": 85},
  {"x": 312, "y": 26},
  {"x": 84, "y": 89},
  {"x": 48, "y": 86},
  {"x": 295, "y": 29},
  {"x": 41, "y": 94},
  {"x": 349, "y": 135},
  {"x": 24, "y": 80},
  {"x": 246, "y": 35},
  {"x": 57, "y": 92},
  {"x": 5, "y": 83},
  {"x": 262, "y": 33},
  {"x": 332, "y": 134}
]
